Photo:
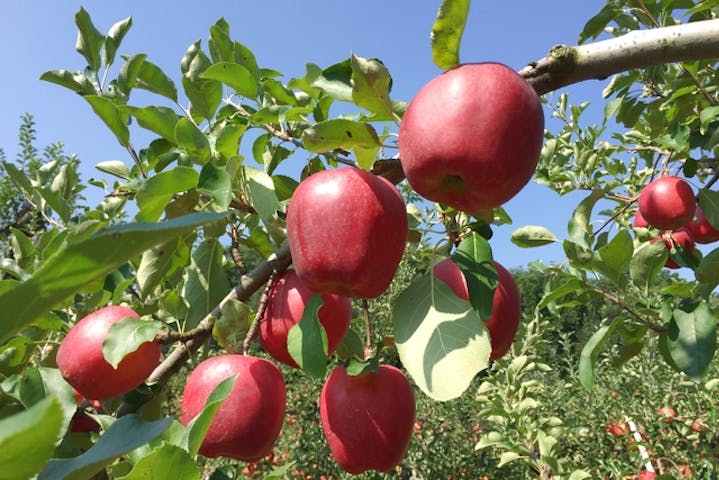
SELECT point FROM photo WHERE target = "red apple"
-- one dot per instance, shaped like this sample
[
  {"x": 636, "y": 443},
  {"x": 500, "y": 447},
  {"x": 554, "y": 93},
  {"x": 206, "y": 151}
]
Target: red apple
[
  {"x": 667, "y": 203},
  {"x": 617, "y": 429},
  {"x": 286, "y": 304},
  {"x": 472, "y": 136},
  {"x": 684, "y": 471},
  {"x": 367, "y": 419},
  {"x": 249, "y": 420},
  {"x": 646, "y": 475},
  {"x": 667, "y": 414},
  {"x": 703, "y": 231},
  {"x": 699, "y": 425},
  {"x": 347, "y": 230},
  {"x": 83, "y": 365},
  {"x": 506, "y": 307},
  {"x": 678, "y": 237},
  {"x": 639, "y": 220}
]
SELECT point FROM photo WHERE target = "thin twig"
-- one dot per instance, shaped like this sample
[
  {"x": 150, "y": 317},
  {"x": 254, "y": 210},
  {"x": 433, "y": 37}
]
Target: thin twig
[{"x": 261, "y": 308}]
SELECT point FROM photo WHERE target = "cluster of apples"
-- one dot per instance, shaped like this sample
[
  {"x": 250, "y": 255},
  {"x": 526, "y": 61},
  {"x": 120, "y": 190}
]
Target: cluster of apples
[
  {"x": 469, "y": 140},
  {"x": 669, "y": 204}
]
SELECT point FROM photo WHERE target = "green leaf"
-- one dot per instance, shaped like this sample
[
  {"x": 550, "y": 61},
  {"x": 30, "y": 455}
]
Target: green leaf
[
  {"x": 217, "y": 182},
  {"x": 646, "y": 264},
  {"x": 335, "y": 80},
  {"x": 474, "y": 257},
  {"x": 115, "y": 168},
  {"x": 532, "y": 236},
  {"x": 692, "y": 339},
  {"x": 447, "y": 32},
  {"x": 709, "y": 202},
  {"x": 371, "y": 83},
  {"x": 235, "y": 75},
  {"x": 579, "y": 227},
  {"x": 76, "y": 82},
  {"x": 220, "y": 44},
  {"x": 205, "y": 95},
  {"x": 591, "y": 351},
  {"x": 596, "y": 24},
  {"x": 161, "y": 120},
  {"x": 708, "y": 269},
  {"x": 615, "y": 256},
  {"x": 188, "y": 135},
  {"x": 126, "y": 336},
  {"x": 167, "y": 462},
  {"x": 198, "y": 426},
  {"x": 157, "y": 262},
  {"x": 261, "y": 190},
  {"x": 152, "y": 78},
  {"x": 114, "y": 39},
  {"x": 205, "y": 281},
  {"x": 345, "y": 134},
  {"x": 307, "y": 340},
  {"x": 440, "y": 339},
  {"x": 109, "y": 113},
  {"x": 129, "y": 74},
  {"x": 77, "y": 264},
  {"x": 228, "y": 139},
  {"x": 154, "y": 195},
  {"x": 124, "y": 435},
  {"x": 89, "y": 39},
  {"x": 28, "y": 439},
  {"x": 231, "y": 328},
  {"x": 56, "y": 386}
]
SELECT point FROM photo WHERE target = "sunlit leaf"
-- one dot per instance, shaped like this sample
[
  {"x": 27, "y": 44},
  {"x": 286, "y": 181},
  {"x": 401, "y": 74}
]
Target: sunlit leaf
[
  {"x": 307, "y": 340},
  {"x": 447, "y": 32}
]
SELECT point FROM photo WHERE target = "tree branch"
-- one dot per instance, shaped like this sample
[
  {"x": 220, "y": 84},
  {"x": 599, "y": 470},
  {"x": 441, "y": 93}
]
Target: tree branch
[
  {"x": 565, "y": 65},
  {"x": 249, "y": 284}
]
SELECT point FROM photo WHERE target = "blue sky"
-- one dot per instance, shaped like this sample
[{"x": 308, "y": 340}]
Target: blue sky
[{"x": 284, "y": 35}]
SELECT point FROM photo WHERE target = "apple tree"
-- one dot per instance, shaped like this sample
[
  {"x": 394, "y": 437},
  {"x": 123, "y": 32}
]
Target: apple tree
[{"x": 103, "y": 305}]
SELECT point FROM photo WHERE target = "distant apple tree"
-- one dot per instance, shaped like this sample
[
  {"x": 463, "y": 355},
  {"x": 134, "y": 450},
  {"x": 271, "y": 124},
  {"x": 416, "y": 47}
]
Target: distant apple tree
[{"x": 184, "y": 219}]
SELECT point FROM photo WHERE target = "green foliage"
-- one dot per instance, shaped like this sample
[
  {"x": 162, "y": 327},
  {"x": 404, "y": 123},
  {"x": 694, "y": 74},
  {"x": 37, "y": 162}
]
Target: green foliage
[{"x": 208, "y": 204}]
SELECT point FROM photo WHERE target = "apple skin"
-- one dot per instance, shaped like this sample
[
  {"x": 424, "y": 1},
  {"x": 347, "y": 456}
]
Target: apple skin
[
  {"x": 83, "y": 365},
  {"x": 367, "y": 419},
  {"x": 667, "y": 414},
  {"x": 347, "y": 230},
  {"x": 506, "y": 306},
  {"x": 681, "y": 237},
  {"x": 249, "y": 421},
  {"x": 667, "y": 203},
  {"x": 646, "y": 475},
  {"x": 639, "y": 220},
  {"x": 700, "y": 228},
  {"x": 286, "y": 304},
  {"x": 617, "y": 429},
  {"x": 472, "y": 136}
]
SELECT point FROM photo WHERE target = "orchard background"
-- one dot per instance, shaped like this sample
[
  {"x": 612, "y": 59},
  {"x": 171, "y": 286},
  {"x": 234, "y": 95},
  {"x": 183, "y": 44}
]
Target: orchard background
[{"x": 608, "y": 337}]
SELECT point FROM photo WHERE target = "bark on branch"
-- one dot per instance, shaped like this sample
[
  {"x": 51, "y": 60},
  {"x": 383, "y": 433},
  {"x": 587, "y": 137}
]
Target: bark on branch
[{"x": 566, "y": 65}]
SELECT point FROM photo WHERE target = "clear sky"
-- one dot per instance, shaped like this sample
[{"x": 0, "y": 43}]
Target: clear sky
[{"x": 284, "y": 35}]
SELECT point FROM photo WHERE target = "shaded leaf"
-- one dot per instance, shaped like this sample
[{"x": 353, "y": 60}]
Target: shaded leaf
[
  {"x": 166, "y": 462},
  {"x": 28, "y": 439},
  {"x": 371, "y": 83},
  {"x": 76, "y": 82},
  {"x": 161, "y": 120},
  {"x": 189, "y": 136},
  {"x": 646, "y": 264},
  {"x": 591, "y": 351},
  {"x": 157, "y": 191},
  {"x": 123, "y": 436},
  {"x": 307, "y": 340},
  {"x": 346, "y": 134},
  {"x": 692, "y": 339},
  {"x": 474, "y": 257},
  {"x": 217, "y": 182},
  {"x": 109, "y": 113},
  {"x": 205, "y": 281},
  {"x": 82, "y": 262},
  {"x": 114, "y": 39},
  {"x": 89, "y": 39}
]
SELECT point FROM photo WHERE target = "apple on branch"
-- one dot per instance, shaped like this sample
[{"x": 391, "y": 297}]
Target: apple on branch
[
  {"x": 347, "y": 230},
  {"x": 286, "y": 305},
  {"x": 471, "y": 137},
  {"x": 248, "y": 422},
  {"x": 82, "y": 363}
]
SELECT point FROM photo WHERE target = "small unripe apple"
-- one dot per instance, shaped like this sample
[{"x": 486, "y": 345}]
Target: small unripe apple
[
  {"x": 83, "y": 365},
  {"x": 286, "y": 304},
  {"x": 367, "y": 419},
  {"x": 472, "y": 136},
  {"x": 248, "y": 422},
  {"x": 667, "y": 203},
  {"x": 506, "y": 306},
  {"x": 681, "y": 237},
  {"x": 347, "y": 230},
  {"x": 700, "y": 228}
]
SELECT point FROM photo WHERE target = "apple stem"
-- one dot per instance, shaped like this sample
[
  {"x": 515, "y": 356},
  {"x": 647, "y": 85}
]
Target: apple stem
[
  {"x": 368, "y": 349},
  {"x": 261, "y": 308}
]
